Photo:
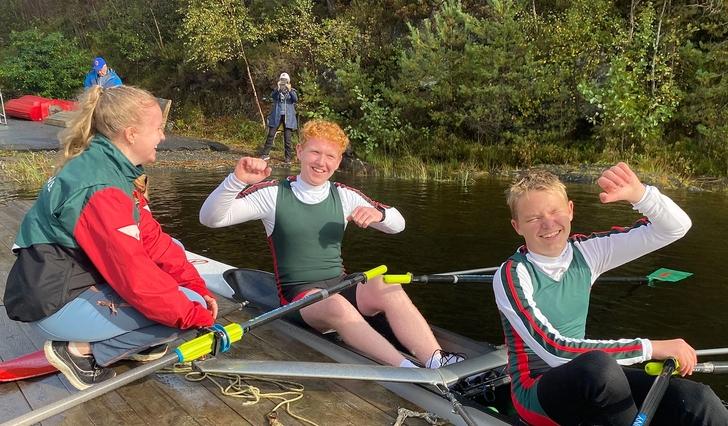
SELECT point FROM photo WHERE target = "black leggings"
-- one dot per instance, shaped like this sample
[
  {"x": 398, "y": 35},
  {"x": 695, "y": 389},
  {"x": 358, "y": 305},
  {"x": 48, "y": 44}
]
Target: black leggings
[
  {"x": 287, "y": 146},
  {"x": 593, "y": 389}
]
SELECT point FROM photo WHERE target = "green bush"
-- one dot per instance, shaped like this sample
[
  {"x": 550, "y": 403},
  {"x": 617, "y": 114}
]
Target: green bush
[{"x": 48, "y": 65}]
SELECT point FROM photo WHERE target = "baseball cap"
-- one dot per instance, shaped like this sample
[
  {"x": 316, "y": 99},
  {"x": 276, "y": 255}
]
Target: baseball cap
[
  {"x": 284, "y": 76},
  {"x": 98, "y": 63}
]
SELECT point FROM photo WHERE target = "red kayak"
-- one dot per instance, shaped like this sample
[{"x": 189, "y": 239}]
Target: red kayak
[{"x": 24, "y": 367}]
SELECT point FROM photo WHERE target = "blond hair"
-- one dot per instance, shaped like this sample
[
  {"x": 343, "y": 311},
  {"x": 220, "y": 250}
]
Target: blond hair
[
  {"x": 104, "y": 111},
  {"x": 533, "y": 180},
  {"x": 327, "y": 130}
]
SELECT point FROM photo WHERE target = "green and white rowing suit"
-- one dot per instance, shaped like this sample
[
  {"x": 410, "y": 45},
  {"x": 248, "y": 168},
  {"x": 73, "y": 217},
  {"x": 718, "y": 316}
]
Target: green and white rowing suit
[{"x": 543, "y": 301}]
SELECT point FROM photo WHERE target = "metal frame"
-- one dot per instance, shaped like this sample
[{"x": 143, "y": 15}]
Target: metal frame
[{"x": 3, "y": 116}]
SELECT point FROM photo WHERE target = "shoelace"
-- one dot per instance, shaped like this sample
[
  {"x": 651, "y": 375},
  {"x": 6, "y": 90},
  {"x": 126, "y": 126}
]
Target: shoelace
[
  {"x": 95, "y": 368},
  {"x": 447, "y": 357}
]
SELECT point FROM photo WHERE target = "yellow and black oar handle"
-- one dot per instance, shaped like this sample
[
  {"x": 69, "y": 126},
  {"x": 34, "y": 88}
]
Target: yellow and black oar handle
[
  {"x": 654, "y": 368},
  {"x": 221, "y": 337}
]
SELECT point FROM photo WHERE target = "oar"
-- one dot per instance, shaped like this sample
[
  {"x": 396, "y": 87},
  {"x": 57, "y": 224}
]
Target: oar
[
  {"x": 654, "y": 396},
  {"x": 191, "y": 350},
  {"x": 662, "y": 274},
  {"x": 654, "y": 368}
]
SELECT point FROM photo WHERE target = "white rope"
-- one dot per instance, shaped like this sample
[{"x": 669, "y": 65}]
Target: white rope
[
  {"x": 251, "y": 395},
  {"x": 403, "y": 414}
]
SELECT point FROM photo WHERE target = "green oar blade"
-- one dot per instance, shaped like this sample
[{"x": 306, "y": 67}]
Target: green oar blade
[{"x": 667, "y": 275}]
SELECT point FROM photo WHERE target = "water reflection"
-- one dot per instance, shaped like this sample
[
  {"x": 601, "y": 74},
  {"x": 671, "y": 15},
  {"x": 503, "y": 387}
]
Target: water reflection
[{"x": 451, "y": 228}]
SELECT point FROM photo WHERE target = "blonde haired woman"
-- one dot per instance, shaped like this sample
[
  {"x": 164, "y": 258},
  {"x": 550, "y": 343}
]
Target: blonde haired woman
[{"x": 94, "y": 271}]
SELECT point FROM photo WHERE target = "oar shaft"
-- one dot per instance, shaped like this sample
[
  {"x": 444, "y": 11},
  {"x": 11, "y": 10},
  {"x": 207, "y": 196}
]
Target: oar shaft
[
  {"x": 654, "y": 396},
  {"x": 462, "y": 279},
  {"x": 452, "y": 279},
  {"x": 472, "y": 271},
  {"x": 711, "y": 368},
  {"x": 716, "y": 351}
]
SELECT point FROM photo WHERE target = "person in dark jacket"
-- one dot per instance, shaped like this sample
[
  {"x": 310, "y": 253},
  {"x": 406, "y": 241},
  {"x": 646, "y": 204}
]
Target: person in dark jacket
[
  {"x": 94, "y": 270},
  {"x": 284, "y": 98},
  {"x": 101, "y": 75}
]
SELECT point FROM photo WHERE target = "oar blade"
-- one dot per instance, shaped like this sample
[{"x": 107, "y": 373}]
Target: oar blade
[{"x": 667, "y": 275}]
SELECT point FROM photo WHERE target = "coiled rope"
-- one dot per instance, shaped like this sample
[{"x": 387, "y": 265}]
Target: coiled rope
[{"x": 237, "y": 388}]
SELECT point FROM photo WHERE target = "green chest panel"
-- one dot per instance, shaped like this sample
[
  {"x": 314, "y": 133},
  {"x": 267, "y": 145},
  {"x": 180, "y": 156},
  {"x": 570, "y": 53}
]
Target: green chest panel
[
  {"x": 306, "y": 238},
  {"x": 564, "y": 302}
]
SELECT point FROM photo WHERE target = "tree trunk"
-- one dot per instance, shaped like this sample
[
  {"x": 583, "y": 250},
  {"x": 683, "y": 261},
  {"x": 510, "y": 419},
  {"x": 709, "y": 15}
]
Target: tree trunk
[
  {"x": 252, "y": 84},
  {"x": 632, "y": 8},
  {"x": 656, "y": 46},
  {"x": 159, "y": 33}
]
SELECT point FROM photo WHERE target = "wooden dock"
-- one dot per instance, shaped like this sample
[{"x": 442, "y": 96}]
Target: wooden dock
[{"x": 165, "y": 399}]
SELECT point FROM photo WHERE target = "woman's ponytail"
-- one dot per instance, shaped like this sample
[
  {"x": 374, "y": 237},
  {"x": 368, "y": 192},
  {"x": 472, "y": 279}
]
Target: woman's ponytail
[{"x": 75, "y": 139}]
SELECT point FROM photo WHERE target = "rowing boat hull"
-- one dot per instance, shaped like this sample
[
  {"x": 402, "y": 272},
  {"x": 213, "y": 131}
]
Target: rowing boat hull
[{"x": 481, "y": 356}]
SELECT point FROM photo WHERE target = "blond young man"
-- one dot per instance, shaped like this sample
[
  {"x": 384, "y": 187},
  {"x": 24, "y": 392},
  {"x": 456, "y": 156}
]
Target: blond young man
[
  {"x": 305, "y": 217},
  {"x": 542, "y": 291}
]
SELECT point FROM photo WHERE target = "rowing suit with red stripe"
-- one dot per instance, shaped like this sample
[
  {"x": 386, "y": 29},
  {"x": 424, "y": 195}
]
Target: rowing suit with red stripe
[
  {"x": 305, "y": 241},
  {"x": 544, "y": 301}
]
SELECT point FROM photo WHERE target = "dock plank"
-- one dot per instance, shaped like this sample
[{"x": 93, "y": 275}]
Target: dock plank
[
  {"x": 37, "y": 392},
  {"x": 326, "y": 401}
]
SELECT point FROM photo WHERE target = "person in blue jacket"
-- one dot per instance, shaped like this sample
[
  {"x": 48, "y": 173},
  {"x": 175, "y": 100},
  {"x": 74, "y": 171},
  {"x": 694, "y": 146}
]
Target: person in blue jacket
[
  {"x": 283, "y": 97},
  {"x": 101, "y": 75}
]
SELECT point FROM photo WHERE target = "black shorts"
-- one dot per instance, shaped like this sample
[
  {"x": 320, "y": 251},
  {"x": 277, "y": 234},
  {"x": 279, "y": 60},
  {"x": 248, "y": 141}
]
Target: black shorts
[{"x": 291, "y": 293}]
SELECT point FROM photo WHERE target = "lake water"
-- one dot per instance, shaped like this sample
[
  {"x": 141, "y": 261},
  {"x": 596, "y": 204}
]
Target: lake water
[{"x": 451, "y": 227}]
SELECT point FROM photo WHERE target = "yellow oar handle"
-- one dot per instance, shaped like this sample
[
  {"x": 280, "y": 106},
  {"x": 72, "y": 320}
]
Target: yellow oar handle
[
  {"x": 654, "y": 368},
  {"x": 398, "y": 278},
  {"x": 201, "y": 346},
  {"x": 375, "y": 272}
]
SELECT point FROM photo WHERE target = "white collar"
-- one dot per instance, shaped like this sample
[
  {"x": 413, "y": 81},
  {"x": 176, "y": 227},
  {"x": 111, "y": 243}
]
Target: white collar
[
  {"x": 308, "y": 193},
  {"x": 554, "y": 267}
]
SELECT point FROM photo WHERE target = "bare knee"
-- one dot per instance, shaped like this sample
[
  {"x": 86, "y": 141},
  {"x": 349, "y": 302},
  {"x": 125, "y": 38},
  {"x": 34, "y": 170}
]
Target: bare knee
[
  {"x": 381, "y": 297},
  {"x": 331, "y": 313}
]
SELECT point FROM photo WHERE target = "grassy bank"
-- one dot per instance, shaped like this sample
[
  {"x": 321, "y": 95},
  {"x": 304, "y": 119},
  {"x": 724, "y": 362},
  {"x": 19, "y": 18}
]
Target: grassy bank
[
  {"x": 443, "y": 160},
  {"x": 27, "y": 169},
  {"x": 463, "y": 161}
]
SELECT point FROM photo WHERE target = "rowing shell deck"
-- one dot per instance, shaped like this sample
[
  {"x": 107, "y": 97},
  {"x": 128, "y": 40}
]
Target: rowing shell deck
[{"x": 162, "y": 399}]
